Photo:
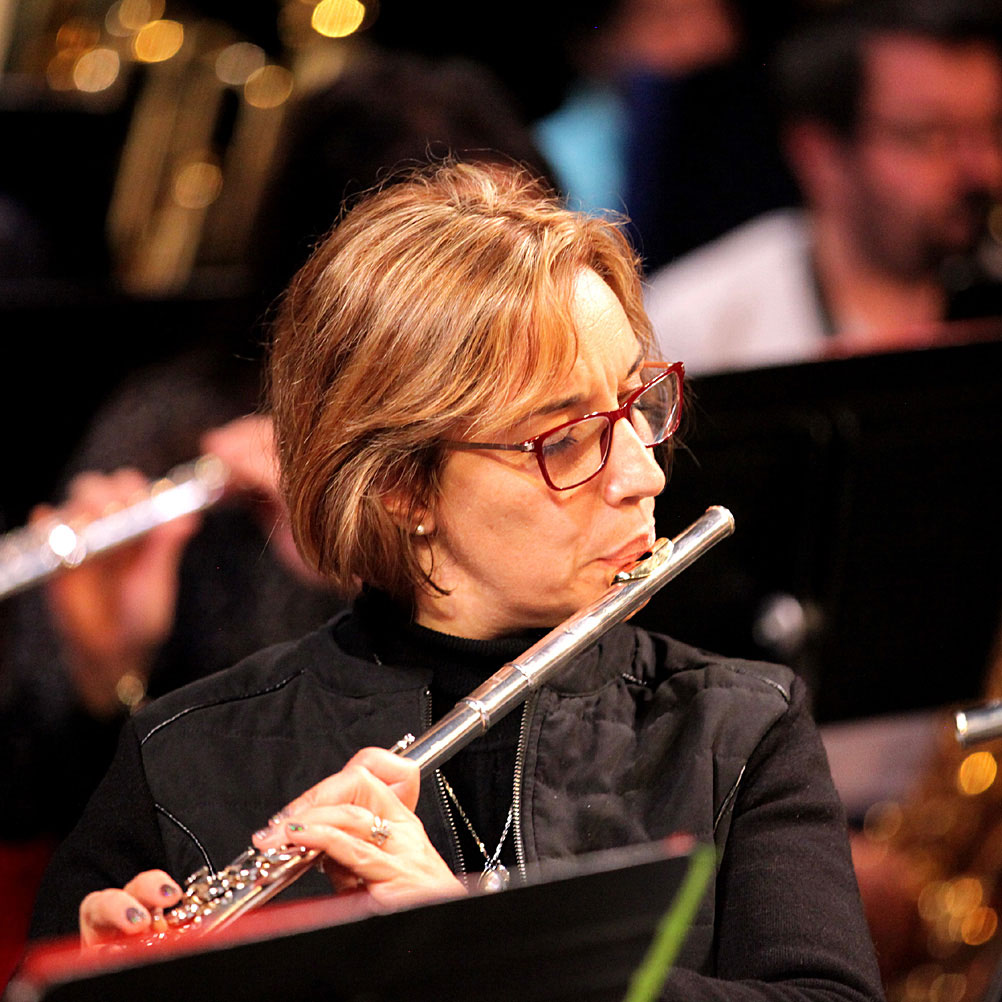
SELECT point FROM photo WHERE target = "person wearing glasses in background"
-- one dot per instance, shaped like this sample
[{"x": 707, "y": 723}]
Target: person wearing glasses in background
[
  {"x": 892, "y": 124},
  {"x": 468, "y": 416}
]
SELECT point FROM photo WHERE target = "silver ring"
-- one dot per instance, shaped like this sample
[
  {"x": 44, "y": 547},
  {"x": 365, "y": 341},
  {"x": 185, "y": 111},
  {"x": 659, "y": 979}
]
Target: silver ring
[{"x": 380, "y": 830}]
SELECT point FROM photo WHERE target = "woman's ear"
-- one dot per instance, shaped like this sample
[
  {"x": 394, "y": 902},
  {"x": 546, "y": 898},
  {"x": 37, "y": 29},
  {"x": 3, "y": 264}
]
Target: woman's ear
[{"x": 414, "y": 519}]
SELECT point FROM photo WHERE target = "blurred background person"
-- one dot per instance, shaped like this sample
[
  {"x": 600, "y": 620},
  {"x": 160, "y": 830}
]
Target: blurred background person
[
  {"x": 388, "y": 110},
  {"x": 668, "y": 119},
  {"x": 892, "y": 123}
]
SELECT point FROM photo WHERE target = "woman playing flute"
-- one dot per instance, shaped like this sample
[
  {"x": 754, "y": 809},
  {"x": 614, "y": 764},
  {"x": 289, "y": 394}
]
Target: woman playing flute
[{"x": 469, "y": 421}]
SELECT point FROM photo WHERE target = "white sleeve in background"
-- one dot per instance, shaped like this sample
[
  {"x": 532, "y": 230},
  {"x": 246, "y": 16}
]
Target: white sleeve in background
[{"x": 745, "y": 300}]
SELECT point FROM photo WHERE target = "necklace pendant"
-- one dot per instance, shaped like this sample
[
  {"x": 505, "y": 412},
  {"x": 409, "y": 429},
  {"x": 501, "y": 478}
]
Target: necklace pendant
[{"x": 493, "y": 880}]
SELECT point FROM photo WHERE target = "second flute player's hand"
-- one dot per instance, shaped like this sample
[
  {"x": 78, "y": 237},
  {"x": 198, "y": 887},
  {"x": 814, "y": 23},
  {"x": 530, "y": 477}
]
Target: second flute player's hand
[
  {"x": 247, "y": 447},
  {"x": 362, "y": 818},
  {"x": 113, "y": 612}
]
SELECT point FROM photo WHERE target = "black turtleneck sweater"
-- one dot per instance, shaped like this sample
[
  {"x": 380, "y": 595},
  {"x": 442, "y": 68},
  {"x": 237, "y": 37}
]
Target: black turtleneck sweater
[{"x": 482, "y": 775}]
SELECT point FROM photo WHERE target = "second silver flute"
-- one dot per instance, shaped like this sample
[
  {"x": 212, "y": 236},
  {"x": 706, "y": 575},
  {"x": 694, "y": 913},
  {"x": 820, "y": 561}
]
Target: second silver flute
[
  {"x": 34, "y": 553},
  {"x": 978, "y": 723},
  {"x": 214, "y": 900}
]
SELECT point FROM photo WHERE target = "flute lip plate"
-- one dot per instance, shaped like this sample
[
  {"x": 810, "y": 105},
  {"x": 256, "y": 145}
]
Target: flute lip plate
[{"x": 646, "y": 566}]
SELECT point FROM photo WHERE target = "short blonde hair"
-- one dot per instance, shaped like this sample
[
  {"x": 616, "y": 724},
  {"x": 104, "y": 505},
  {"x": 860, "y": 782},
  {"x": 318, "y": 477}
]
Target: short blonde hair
[{"x": 438, "y": 307}]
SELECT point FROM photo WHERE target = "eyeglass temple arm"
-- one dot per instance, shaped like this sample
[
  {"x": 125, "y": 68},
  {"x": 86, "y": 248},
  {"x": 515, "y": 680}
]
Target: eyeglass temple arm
[{"x": 519, "y": 447}]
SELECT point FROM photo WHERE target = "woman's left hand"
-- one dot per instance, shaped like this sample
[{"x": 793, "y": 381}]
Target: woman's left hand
[{"x": 363, "y": 819}]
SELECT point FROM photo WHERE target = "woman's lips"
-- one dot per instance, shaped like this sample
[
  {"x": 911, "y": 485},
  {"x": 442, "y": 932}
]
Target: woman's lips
[{"x": 632, "y": 551}]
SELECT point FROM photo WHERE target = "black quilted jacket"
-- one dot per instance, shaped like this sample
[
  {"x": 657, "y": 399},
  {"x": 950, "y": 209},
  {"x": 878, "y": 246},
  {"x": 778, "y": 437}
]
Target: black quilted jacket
[{"x": 640, "y": 738}]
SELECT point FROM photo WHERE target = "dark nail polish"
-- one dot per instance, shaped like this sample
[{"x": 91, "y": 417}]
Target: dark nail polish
[
  {"x": 168, "y": 890},
  {"x": 295, "y": 826},
  {"x": 134, "y": 915}
]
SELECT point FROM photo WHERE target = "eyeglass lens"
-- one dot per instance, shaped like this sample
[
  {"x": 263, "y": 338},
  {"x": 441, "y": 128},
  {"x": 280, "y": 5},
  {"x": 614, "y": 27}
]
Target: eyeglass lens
[{"x": 576, "y": 452}]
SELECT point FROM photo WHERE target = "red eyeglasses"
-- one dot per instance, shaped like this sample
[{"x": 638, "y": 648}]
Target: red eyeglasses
[{"x": 576, "y": 451}]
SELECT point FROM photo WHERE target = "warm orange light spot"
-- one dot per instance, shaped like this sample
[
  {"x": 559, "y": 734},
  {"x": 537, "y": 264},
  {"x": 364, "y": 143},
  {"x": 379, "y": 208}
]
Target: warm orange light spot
[
  {"x": 77, "y": 33},
  {"x": 59, "y": 72},
  {"x": 134, "y": 14},
  {"x": 920, "y": 980},
  {"x": 931, "y": 901},
  {"x": 883, "y": 820},
  {"x": 238, "y": 61},
  {"x": 96, "y": 70},
  {"x": 268, "y": 87},
  {"x": 337, "y": 18},
  {"x": 979, "y": 926},
  {"x": 963, "y": 895},
  {"x": 948, "y": 988},
  {"x": 158, "y": 41},
  {"x": 197, "y": 185},
  {"x": 976, "y": 773}
]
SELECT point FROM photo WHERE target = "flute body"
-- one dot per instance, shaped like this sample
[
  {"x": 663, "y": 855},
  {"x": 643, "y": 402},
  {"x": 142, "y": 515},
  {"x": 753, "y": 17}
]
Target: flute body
[
  {"x": 34, "y": 553},
  {"x": 214, "y": 900},
  {"x": 978, "y": 723}
]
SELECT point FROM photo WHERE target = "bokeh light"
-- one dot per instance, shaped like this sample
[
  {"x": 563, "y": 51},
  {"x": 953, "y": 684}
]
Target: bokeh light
[
  {"x": 268, "y": 87},
  {"x": 976, "y": 773},
  {"x": 158, "y": 41},
  {"x": 338, "y": 18},
  {"x": 77, "y": 33},
  {"x": 197, "y": 185},
  {"x": 96, "y": 70},
  {"x": 237, "y": 62},
  {"x": 126, "y": 17}
]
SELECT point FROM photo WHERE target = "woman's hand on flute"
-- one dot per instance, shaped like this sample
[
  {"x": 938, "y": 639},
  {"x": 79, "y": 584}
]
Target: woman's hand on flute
[
  {"x": 114, "y": 611},
  {"x": 114, "y": 913},
  {"x": 362, "y": 818}
]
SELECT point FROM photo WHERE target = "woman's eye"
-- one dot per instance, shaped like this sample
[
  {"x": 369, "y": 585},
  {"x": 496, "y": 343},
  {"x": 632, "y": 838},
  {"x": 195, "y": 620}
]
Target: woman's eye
[{"x": 559, "y": 442}]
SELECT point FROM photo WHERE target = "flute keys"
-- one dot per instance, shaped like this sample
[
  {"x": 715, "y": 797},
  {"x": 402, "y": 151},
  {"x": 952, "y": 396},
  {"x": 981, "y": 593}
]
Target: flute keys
[{"x": 201, "y": 874}]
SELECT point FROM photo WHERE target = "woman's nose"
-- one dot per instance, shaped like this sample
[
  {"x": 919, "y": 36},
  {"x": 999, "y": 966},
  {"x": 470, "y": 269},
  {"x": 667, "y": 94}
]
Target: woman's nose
[{"x": 632, "y": 470}]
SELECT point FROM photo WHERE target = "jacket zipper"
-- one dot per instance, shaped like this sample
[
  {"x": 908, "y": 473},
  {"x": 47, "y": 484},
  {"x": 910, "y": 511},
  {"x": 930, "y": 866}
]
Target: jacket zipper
[
  {"x": 523, "y": 744},
  {"x": 443, "y": 800}
]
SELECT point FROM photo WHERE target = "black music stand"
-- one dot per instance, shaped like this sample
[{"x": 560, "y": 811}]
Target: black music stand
[
  {"x": 577, "y": 937},
  {"x": 993, "y": 993}
]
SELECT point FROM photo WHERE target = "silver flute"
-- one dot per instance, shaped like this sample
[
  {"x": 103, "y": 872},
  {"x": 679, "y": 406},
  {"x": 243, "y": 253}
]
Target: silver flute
[
  {"x": 978, "y": 723},
  {"x": 214, "y": 900},
  {"x": 34, "y": 553}
]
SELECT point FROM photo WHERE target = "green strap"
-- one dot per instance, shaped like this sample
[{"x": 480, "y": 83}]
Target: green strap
[{"x": 649, "y": 978}]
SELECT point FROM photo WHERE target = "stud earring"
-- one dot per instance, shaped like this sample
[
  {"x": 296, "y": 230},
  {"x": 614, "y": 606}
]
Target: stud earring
[{"x": 419, "y": 529}]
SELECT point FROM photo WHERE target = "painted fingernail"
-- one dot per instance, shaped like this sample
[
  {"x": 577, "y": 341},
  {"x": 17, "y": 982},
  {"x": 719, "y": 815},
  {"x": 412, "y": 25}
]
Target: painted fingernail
[
  {"x": 134, "y": 916},
  {"x": 261, "y": 833},
  {"x": 168, "y": 890},
  {"x": 295, "y": 826},
  {"x": 279, "y": 818}
]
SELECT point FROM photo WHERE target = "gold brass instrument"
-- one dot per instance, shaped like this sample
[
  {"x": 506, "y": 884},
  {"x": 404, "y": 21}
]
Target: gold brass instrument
[
  {"x": 31, "y": 554},
  {"x": 214, "y": 900}
]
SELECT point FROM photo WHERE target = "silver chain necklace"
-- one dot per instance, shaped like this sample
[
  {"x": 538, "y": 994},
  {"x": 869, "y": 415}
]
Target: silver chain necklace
[{"x": 495, "y": 876}]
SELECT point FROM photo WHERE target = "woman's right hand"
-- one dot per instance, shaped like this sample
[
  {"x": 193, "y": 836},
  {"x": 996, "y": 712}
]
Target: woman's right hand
[
  {"x": 362, "y": 818},
  {"x": 115, "y": 913}
]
